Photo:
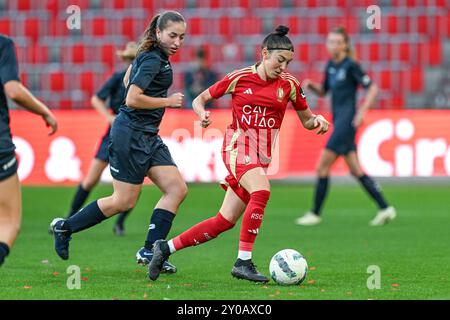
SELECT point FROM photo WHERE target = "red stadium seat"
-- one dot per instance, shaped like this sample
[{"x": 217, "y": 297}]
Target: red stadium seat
[
  {"x": 385, "y": 79},
  {"x": 5, "y": 25},
  {"x": 374, "y": 51},
  {"x": 87, "y": 82},
  {"x": 39, "y": 54},
  {"x": 24, "y": 5},
  {"x": 65, "y": 104},
  {"x": 224, "y": 26},
  {"x": 32, "y": 28},
  {"x": 435, "y": 52},
  {"x": 392, "y": 24},
  {"x": 108, "y": 54},
  {"x": 57, "y": 81},
  {"x": 78, "y": 53},
  {"x": 128, "y": 28},
  {"x": 303, "y": 52},
  {"x": 404, "y": 52},
  {"x": 98, "y": 27},
  {"x": 194, "y": 26}
]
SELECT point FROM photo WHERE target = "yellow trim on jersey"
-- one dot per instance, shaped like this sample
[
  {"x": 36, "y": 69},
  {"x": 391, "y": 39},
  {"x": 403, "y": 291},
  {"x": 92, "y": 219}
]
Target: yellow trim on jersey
[
  {"x": 233, "y": 160},
  {"x": 233, "y": 140},
  {"x": 232, "y": 85},
  {"x": 237, "y": 72},
  {"x": 293, "y": 93}
]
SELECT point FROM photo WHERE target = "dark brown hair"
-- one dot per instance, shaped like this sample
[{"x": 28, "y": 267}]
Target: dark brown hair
[
  {"x": 278, "y": 40},
  {"x": 160, "y": 21}
]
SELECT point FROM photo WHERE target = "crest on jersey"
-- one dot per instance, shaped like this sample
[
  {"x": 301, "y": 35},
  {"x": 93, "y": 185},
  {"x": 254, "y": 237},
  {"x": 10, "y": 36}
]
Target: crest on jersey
[{"x": 280, "y": 94}]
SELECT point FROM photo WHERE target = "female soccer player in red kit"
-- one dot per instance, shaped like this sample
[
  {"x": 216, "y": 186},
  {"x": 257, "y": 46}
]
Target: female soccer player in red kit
[{"x": 260, "y": 95}]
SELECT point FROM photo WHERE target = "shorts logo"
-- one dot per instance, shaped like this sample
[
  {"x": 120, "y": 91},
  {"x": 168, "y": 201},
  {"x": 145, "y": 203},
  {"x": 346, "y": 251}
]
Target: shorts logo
[
  {"x": 114, "y": 169},
  {"x": 151, "y": 227},
  {"x": 9, "y": 164},
  {"x": 247, "y": 160},
  {"x": 280, "y": 94}
]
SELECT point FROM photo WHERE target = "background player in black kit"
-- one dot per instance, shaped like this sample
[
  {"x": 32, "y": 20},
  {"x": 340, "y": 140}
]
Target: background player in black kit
[
  {"x": 113, "y": 92},
  {"x": 343, "y": 75},
  {"x": 10, "y": 194},
  {"x": 135, "y": 149}
]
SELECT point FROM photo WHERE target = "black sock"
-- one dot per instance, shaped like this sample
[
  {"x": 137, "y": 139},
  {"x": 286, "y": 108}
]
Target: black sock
[
  {"x": 374, "y": 190},
  {"x": 320, "y": 194},
  {"x": 78, "y": 200},
  {"x": 160, "y": 225},
  {"x": 121, "y": 217},
  {"x": 4, "y": 251},
  {"x": 85, "y": 218}
]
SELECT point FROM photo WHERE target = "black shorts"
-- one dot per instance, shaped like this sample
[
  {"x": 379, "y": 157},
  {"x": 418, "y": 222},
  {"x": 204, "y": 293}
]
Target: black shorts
[
  {"x": 102, "y": 152},
  {"x": 132, "y": 153},
  {"x": 8, "y": 165},
  {"x": 342, "y": 140}
]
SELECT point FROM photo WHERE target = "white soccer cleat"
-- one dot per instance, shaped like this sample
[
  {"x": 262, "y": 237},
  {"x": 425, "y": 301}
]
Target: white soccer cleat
[
  {"x": 384, "y": 216},
  {"x": 309, "y": 219}
]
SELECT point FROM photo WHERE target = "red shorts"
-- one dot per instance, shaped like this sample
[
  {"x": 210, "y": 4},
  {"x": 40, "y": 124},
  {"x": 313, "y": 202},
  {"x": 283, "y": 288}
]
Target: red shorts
[{"x": 238, "y": 159}]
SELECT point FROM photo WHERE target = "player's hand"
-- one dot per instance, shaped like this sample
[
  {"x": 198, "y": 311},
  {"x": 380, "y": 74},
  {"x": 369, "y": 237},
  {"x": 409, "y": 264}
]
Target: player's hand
[
  {"x": 321, "y": 123},
  {"x": 205, "y": 119},
  {"x": 176, "y": 100},
  {"x": 50, "y": 121},
  {"x": 307, "y": 84},
  {"x": 358, "y": 120}
]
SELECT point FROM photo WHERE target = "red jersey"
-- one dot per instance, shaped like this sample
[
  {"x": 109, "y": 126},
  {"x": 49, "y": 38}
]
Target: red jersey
[{"x": 258, "y": 109}]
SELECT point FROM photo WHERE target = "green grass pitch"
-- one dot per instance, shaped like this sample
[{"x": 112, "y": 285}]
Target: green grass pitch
[{"x": 412, "y": 252}]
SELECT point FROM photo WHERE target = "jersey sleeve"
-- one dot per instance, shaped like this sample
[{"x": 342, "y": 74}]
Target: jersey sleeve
[
  {"x": 147, "y": 69},
  {"x": 297, "y": 96},
  {"x": 360, "y": 76},
  {"x": 9, "y": 69},
  {"x": 224, "y": 86},
  {"x": 108, "y": 87}
]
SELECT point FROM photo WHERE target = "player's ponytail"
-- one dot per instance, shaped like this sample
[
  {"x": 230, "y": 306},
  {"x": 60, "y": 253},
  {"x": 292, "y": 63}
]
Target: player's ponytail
[
  {"x": 278, "y": 40},
  {"x": 349, "y": 50},
  {"x": 149, "y": 39}
]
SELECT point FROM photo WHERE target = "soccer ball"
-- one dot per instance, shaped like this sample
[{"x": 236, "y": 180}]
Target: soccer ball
[{"x": 288, "y": 267}]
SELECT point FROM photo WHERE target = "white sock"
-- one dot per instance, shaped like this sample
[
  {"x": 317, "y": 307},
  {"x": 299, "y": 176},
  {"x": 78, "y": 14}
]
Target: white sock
[
  {"x": 244, "y": 255},
  {"x": 171, "y": 246}
]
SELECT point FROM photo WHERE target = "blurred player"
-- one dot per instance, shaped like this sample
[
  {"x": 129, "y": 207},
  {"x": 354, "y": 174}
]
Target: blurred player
[
  {"x": 260, "y": 95},
  {"x": 10, "y": 195},
  {"x": 113, "y": 90},
  {"x": 135, "y": 149},
  {"x": 342, "y": 77}
]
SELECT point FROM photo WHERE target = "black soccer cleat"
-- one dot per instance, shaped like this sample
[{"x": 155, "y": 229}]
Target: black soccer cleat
[
  {"x": 119, "y": 230},
  {"x": 245, "y": 269},
  {"x": 62, "y": 238},
  {"x": 161, "y": 253}
]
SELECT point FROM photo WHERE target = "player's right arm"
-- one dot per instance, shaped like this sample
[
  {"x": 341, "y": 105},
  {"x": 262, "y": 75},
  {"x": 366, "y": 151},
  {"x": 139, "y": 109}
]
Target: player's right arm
[{"x": 16, "y": 91}]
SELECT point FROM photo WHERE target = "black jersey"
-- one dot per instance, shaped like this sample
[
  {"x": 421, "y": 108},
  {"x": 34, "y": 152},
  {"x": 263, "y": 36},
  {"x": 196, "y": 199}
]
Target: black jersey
[
  {"x": 342, "y": 79},
  {"x": 151, "y": 71},
  {"x": 113, "y": 89},
  {"x": 9, "y": 70}
]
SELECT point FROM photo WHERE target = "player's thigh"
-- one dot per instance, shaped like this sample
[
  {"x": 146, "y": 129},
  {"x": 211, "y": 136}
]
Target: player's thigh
[
  {"x": 10, "y": 198},
  {"x": 126, "y": 193},
  {"x": 95, "y": 171},
  {"x": 254, "y": 180},
  {"x": 232, "y": 206},
  {"x": 352, "y": 161},
  {"x": 168, "y": 179}
]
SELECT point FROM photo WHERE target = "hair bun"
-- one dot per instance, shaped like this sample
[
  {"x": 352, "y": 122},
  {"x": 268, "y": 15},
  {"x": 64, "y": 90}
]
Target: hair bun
[{"x": 282, "y": 30}]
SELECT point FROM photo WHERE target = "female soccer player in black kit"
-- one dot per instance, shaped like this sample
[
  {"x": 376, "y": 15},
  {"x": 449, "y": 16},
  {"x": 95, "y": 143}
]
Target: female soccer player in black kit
[
  {"x": 136, "y": 150},
  {"x": 10, "y": 195},
  {"x": 113, "y": 90},
  {"x": 343, "y": 75}
]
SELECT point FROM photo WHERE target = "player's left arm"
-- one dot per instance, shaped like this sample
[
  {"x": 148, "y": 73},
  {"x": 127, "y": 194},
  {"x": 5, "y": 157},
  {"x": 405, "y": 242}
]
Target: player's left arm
[
  {"x": 372, "y": 91},
  {"x": 308, "y": 119},
  {"x": 126, "y": 77}
]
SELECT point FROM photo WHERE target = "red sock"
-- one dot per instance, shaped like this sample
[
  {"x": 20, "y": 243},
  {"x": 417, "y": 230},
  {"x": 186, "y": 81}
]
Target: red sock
[
  {"x": 202, "y": 232},
  {"x": 252, "y": 220}
]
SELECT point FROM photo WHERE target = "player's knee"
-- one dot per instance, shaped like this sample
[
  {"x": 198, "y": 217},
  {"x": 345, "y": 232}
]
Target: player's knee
[
  {"x": 178, "y": 192},
  {"x": 322, "y": 171},
  {"x": 124, "y": 203},
  {"x": 89, "y": 183}
]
